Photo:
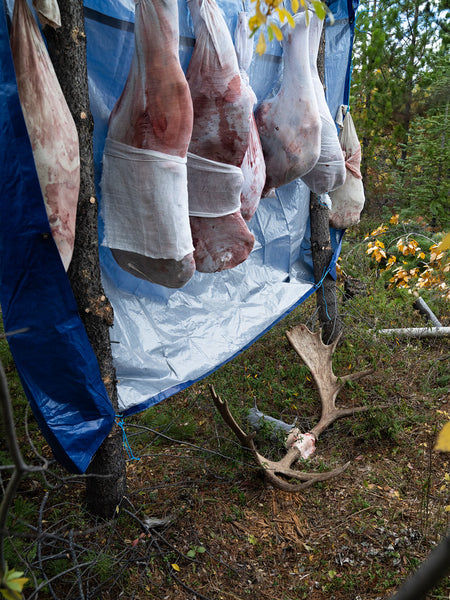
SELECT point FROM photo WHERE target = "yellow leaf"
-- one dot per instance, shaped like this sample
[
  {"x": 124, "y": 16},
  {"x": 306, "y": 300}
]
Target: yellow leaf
[
  {"x": 294, "y": 5},
  {"x": 175, "y": 567},
  {"x": 277, "y": 32},
  {"x": 261, "y": 45},
  {"x": 285, "y": 14},
  {"x": 9, "y": 595},
  {"x": 443, "y": 441},
  {"x": 254, "y": 22},
  {"x": 447, "y": 508},
  {"x": 444, "y": 244}
]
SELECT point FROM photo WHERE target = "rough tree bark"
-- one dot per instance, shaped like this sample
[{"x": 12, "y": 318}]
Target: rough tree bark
[
  {"x": 67, "y": 48},
  {"x": 322, "y": 251}
]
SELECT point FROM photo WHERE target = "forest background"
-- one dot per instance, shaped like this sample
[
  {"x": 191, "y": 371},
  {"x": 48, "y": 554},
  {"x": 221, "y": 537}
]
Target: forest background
[{"x": 217, "y": 531}]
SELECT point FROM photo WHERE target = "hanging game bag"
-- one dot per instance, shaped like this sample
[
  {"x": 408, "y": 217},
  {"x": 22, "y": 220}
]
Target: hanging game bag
[{"x": 348, "y": 200}]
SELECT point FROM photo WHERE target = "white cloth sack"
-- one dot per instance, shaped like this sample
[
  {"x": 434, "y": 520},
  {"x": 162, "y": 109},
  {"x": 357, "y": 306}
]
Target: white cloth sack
[
  {"x": 253, "y": 166},
  {"x": 348, "y": 200},
  {"x": 214, "y": 187},
  {"x": 329, "y": 171},
  {"x": 48, "y": 12},
  {"x": 145, "y": 202}
]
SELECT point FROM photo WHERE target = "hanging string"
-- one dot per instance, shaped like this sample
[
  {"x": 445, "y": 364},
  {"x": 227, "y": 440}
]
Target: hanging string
[
  {"x": 121, "y": 423},
  {"x": 320, "y": 284},
  {"x": 327, "y": 270},
  {"x": 324, "y": 200}
]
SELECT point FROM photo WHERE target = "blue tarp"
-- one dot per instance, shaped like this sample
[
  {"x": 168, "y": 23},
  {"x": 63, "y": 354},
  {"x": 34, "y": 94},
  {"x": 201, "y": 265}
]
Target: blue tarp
[
  {"x": 164, "y": 339},
  {"x": 57, "y": 366}
]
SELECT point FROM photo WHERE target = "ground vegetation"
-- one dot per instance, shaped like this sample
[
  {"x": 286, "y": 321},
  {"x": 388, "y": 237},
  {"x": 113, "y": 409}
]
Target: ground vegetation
[{"x": 198, "y": 520}]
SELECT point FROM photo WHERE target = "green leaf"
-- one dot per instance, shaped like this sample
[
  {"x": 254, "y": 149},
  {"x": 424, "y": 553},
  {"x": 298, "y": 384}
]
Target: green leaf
[
  {"x": 190, "y": 553},
  {"x": 10, "y": 595},
  {"x": 16, "y": 585},
  {"x": 201, "y": 549},
  {"x": 13, "y": 575},
  {"x": 320, "y": 9},
  {"x": 12, "y": 584}
]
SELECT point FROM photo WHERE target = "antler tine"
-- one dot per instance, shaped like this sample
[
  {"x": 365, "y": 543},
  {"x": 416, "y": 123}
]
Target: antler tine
[
  {"x": 223, "y": 408},
  {"x": 273, "y": 468},
  {"x": 318, "y": 358}
]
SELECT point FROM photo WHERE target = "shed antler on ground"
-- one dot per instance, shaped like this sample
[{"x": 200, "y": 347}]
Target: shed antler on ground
[{"x": 318, "y": 358}]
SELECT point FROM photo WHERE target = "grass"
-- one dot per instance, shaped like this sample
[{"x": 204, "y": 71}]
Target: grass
[{"x": 356, "y": 536}]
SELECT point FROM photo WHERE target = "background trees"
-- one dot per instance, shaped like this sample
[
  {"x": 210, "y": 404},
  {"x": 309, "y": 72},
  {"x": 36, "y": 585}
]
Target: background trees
[{"x": 399, "y": 98}]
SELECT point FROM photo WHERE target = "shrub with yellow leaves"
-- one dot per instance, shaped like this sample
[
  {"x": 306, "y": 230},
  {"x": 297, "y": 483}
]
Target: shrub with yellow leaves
[{"x": 407, "y": 264}]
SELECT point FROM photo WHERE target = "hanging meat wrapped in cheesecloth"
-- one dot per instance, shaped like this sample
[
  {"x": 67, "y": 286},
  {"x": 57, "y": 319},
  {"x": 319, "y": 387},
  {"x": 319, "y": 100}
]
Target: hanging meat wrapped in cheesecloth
[
  {"x": 223, "y": 110},
  {"x": 348, "y": 200},
  {"x": 289, "y": 124},
  {"x": 329, "y": 171},
  {"x": 144, "y": 181},
  {"x": 50, "y": 126},
  {"x": 253, "y": 166}
]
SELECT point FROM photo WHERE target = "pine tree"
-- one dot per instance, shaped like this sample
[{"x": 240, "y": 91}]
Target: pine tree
[{"x": 396, "y": 45}]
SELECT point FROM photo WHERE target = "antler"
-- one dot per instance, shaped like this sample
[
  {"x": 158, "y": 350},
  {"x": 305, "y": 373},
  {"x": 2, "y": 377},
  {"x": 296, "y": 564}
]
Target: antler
[
  {"x": 272, "y": 469},
  {"x": 318, "y": 358}
]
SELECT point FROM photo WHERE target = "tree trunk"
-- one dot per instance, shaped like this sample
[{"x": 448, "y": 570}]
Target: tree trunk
[
  {"x": 322, "y": 251},
  {"x": 407, "y": 110},
  {"x": 67, "y": 48}
]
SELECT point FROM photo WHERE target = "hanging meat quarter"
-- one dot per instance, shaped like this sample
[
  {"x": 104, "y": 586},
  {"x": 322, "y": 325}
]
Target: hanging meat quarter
[
  {"x": 253, "y": 166},
  {"x": 289, "y": 124},
  {"x": 220, "y": 138},
  {"x": 144, "y": 181},
  {"x": 329, "y": 171},
  {"x": 50, "y": 126}
]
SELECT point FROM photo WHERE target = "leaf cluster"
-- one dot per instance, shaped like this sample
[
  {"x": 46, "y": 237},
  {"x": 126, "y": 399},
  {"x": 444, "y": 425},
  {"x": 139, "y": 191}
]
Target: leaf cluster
[
  {"x": 12, "y": 584},
  {"x": 407, "y": 263},
  {"x": 270, "y": 15}
]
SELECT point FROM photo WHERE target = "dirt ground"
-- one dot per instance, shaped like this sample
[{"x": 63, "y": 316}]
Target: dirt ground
[{"x": 200, "y": 521}]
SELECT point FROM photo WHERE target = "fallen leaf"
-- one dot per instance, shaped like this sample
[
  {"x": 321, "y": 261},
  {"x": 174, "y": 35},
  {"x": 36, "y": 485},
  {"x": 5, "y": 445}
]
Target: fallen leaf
[{"x": 443, "y": 441}]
